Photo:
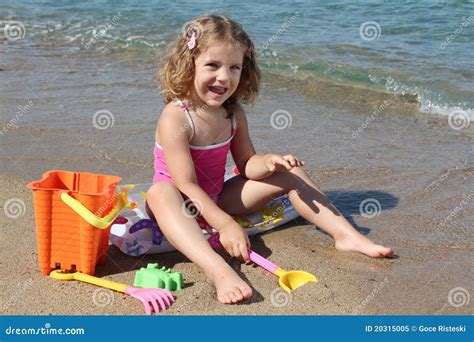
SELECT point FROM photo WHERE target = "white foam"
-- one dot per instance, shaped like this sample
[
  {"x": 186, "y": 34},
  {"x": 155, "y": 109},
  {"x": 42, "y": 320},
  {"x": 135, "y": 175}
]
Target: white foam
[{"x": 426, "y": 98}]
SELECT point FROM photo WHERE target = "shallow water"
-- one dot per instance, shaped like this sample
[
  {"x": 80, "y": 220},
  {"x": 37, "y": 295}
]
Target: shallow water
[{"x": 422, "y": 49}]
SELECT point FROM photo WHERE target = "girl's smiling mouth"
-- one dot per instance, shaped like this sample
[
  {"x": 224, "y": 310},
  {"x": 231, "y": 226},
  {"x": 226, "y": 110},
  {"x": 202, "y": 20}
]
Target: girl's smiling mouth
[{"x": 217, "y": 90}]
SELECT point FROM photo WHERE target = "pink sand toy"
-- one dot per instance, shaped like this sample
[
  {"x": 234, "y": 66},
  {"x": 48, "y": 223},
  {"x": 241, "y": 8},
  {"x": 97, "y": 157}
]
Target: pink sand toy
[{"x": 160, "y": 299}]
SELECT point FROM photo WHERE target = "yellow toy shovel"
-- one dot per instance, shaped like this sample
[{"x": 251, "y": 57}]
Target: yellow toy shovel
[{"x": 288, "y": 280}]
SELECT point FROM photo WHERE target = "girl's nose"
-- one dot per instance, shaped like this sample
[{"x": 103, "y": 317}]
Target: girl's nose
[{"x": 223, "y": 75}]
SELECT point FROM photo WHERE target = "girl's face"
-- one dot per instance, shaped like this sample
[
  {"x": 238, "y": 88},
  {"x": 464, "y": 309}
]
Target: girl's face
[{"x": 217, "y": 75}]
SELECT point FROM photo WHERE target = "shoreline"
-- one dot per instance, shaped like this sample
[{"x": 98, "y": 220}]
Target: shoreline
[{"x": 414, "y": 165}]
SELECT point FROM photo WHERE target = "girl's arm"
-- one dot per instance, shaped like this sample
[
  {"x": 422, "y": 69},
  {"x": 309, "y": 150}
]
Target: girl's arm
[
  {"x": 174, "y": 133},
  {"x": 251, "y": 165}
]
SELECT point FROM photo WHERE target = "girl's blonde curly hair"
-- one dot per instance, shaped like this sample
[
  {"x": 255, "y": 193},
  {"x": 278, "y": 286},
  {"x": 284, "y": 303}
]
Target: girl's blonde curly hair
[{"x": 176, "y": 74}]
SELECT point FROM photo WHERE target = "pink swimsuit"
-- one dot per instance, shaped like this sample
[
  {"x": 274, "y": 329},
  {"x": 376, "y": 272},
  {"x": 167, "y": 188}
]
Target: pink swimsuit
[{"x": 209, "y": 162}]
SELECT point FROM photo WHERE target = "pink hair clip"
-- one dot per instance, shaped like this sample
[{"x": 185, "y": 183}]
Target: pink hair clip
[{"x": 192, "y": 41}]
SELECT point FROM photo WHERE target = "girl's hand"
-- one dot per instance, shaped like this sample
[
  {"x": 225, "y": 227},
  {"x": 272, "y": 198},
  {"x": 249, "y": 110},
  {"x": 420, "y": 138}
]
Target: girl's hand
[
  {"x": 235, "y": 241},
  {"x": 275, "y": 162}
]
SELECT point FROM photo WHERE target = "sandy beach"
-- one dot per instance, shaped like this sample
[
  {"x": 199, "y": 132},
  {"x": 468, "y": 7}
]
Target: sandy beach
[
  {"x": 358, "y": 143},
  {"x": 416, "y": 166}
]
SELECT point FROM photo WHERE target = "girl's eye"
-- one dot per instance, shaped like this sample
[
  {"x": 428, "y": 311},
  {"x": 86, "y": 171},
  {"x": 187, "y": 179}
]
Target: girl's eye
[
  {"x": 236, "y": 67},
  {"x": 213, "y": 65}
]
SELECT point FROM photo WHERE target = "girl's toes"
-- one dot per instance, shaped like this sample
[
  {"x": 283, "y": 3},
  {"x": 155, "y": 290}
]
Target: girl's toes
[
  {"x": 388, "y": 252},
  {"x": 238, "y": 294},
  {"x": 224, "y": 299},
  {"x": 383, "y": 252},
  {"x": 233, "y": 297},
  {"x": 246, "y": 291}
]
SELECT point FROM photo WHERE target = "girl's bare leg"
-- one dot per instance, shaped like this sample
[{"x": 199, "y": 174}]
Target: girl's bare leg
[
  {"x": 307, "y": 200},
  {"x": 166, "y": 203}
]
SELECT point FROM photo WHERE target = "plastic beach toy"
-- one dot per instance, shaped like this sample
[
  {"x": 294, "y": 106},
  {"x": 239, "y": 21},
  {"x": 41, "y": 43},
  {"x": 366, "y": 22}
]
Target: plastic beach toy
[
  {"x": 98, "y": 222},
  {"x": 135, "y": 234},
  {"x": 154, "y": 277},
  {"x": 69, "y": 209},
  {"x": 160, "y": 299},
  {"x": 288, "y": 280}
]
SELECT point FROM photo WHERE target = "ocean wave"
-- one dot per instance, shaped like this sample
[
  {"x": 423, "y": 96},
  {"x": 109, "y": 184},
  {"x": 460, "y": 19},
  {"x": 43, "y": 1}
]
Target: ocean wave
[
  {"x": 376, "y": 69},
  {"x": 88, "y": 36},
  {"x": 319, "y": 78},
  {"x": 430, "y": 100}
]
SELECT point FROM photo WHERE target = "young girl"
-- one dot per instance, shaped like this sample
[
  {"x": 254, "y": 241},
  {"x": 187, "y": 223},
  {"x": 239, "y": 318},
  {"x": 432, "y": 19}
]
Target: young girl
[{"x": 210, "y": 71}]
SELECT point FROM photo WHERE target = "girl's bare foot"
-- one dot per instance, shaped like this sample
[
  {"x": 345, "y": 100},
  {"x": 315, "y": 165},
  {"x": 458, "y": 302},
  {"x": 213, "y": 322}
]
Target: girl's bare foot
[
  {"x": 359, "y": 243},
  {"x": 230, "y": 287}
]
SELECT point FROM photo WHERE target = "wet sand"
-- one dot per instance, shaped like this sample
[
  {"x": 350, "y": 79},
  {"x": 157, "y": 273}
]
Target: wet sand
[{"x": 418, "y": 168}]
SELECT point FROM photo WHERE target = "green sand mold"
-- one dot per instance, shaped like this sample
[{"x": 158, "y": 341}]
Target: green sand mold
[{"x": 154, "y": 277}]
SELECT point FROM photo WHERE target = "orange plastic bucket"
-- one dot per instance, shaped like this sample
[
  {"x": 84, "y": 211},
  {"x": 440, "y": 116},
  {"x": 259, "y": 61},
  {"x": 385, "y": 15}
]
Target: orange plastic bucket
[{"x": 65, "y": 239}]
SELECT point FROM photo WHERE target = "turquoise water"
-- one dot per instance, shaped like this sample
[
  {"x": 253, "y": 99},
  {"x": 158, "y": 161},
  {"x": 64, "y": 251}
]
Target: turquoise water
[{"x": 420, "y": 48}]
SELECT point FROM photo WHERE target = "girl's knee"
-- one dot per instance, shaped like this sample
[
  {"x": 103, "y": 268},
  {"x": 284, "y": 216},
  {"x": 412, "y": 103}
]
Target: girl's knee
[
  {"x": 293, "y": 179},
  {"x": 161, "y": 192},
  {"x": 298, "y": 170}
]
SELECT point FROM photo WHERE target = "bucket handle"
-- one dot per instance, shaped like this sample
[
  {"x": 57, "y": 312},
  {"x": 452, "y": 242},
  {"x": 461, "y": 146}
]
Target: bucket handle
[{"x": 99, "y": 222}]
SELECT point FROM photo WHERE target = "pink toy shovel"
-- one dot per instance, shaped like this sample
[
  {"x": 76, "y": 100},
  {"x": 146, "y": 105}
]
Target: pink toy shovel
[
  {"x": 288, "y": 280},
  {"x": 159, "y": 298}
]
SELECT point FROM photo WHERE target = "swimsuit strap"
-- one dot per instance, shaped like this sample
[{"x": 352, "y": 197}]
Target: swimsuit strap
[
  {"x": 188, "y": 115},
  {"x": 234, "y": 124},
  {"x": 185, "y": 108}
]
